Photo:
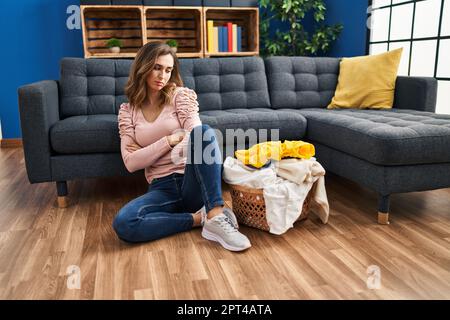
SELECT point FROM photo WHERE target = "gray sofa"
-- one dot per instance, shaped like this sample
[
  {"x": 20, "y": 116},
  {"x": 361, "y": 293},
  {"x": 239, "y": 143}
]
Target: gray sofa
[{"x": 70, "y": 129}]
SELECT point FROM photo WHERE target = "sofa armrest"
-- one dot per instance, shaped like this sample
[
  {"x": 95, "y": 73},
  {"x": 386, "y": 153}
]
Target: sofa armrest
[
  {"x": 39, "y": 110},
  {"x": 416, "y": 93}
]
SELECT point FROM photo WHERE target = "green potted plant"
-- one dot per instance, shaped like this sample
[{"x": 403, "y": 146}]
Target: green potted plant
[
  {"x": 114, "y": 45},
  {"x": 173, "y": 44},
  {"x": 297, "y": 41}
]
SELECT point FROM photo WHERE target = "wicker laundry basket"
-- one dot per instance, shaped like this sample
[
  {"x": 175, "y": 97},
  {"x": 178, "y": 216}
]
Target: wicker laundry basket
[{"x": 250, "y": 208}]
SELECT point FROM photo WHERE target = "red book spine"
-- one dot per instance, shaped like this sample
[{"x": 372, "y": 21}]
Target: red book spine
[{"x": 230, "y": 36}]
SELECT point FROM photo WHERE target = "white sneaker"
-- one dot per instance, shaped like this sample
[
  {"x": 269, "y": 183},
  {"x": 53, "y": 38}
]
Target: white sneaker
[
  {"x": 230, "y": 214},
  {"x": 227, "y": 211},
  {"x": 221, "y": 229}
]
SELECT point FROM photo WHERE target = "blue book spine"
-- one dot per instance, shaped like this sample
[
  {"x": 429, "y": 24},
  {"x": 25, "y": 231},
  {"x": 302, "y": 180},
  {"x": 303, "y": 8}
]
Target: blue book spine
[
  {"x": 220, "y": 39},
  {"x": 225, "y": 38},
  {"x": 239, "y": 40}
]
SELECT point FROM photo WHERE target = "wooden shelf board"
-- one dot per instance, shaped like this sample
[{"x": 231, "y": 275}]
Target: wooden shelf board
[
  {"x": 172, "y": 8},
  {"x": 112, "y": 55},
  {"x": 231, "y": 8},
  {"x": 225, "y": 54},
  {"x": 189, "y": 55},
  {"x": 109, "y": 7}
]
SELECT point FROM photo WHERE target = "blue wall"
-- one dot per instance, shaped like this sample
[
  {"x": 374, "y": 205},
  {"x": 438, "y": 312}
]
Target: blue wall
[
  {"x": 35, "y": 38},
  {"x": 353, "y": 15}
]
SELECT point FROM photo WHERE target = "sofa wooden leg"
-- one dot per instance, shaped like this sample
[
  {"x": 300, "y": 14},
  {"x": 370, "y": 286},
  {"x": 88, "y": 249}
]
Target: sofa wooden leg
[
  {"x": 383, "y": 218},
  {"x": 383, "y": 209},
  {"x": 62, "y": 202},
  {"x": 61, "y": 189}
]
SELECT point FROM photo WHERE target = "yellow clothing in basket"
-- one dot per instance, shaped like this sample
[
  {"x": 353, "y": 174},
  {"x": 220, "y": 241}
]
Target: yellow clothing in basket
[{"x": 258, "y": 155}]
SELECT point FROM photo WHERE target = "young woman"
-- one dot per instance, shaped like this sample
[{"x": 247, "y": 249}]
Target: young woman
[{"x": 160, "y": 131}]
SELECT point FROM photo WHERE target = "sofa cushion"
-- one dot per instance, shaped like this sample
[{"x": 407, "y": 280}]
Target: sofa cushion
[
  {"x": 301, "y": 82},
  {"x": 99, "y": 133},
  {"x": 92, "y": 86},
  {"x": 86, "y": 134},
  {"x": 367, "y": 81},
  {"x": 383, "y": 137},
  {"x": 227, "y": 83},
  {"x": 291, "y": 125}
]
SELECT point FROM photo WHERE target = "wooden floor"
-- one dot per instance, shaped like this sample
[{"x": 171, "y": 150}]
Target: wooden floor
[{"x": 39, "y": 242}]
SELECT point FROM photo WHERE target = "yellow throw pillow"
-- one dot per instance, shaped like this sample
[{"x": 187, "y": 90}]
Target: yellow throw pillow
[{"x": 367, "y": 82}]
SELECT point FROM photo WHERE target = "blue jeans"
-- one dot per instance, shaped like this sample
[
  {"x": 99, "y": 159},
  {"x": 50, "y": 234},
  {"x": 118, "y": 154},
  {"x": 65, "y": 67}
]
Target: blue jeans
[{"x": 168, "y": 205}]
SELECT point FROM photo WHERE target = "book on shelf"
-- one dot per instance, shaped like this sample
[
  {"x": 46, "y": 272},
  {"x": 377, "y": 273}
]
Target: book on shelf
[
  {"x": 220, "y": 38},
  {"x": 239, "y": 38},
  {"x": 230, "y": 36},
  {"x": 235, "y": 48},
  {"x": 224, "y": 37},
  {"x": 216, "y": 39},
  {"x": 210, "y": 36}
]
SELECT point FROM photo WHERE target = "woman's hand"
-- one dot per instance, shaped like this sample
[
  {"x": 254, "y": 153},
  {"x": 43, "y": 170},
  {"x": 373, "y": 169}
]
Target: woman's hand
[
  {"x": 176, "y": 138},
  {"x": 133, "y": 147}
]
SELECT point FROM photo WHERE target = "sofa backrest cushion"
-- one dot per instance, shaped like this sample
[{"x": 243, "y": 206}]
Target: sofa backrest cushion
[
  {"x": 92, "y": 86},
  {"x": 301, "y": 82},
  {"x": 97, "y": 86},
  {"x": 227, "y": 83}
]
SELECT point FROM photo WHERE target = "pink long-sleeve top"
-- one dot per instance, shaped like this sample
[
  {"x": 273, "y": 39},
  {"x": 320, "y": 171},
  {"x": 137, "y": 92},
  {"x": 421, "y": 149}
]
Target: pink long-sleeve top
[{"x": 156, "y": 155}]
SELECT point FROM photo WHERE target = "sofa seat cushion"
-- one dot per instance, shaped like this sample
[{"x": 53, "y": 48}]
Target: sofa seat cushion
[
  {"x": 86, "y": 134},
  {"x": 291, "y": 125},
  {"x": 383, "y": 137}
]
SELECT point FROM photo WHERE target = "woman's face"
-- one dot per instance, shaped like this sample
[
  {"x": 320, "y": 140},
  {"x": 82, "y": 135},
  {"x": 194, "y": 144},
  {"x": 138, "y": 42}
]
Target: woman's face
[{"x": 161, "y": 73}]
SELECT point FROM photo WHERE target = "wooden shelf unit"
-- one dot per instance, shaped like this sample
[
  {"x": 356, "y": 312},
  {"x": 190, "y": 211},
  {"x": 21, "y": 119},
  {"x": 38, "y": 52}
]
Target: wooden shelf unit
[
  {"x": 101, "y": 23},
  {"x": 136, "y": 25},
  {"x": 246, "y": 17},
  {"x": 184, "y": 24}
]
